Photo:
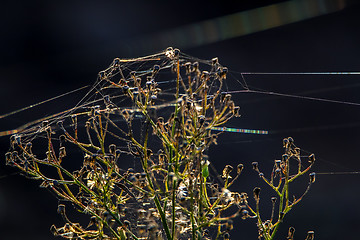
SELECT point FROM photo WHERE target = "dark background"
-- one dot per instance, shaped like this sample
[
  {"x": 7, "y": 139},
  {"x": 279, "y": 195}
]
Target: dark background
[{"x": 47, "y": 49}]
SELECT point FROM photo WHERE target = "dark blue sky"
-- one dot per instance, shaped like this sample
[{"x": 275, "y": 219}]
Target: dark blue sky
[{"x": 51, "y": 48}]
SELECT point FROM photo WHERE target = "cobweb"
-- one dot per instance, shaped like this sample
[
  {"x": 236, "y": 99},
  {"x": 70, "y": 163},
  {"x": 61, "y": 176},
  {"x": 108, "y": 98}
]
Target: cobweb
[
  {"x": 114, "y": 93},
  {"x": 158, "y": 108},
  {"x": 131, "y": 95}
]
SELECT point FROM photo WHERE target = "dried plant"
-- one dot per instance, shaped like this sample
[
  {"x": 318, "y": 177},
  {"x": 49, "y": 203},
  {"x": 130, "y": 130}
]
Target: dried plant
[
  {"x": 158, "y": 114},
  {"x": 280, "y": 179}
]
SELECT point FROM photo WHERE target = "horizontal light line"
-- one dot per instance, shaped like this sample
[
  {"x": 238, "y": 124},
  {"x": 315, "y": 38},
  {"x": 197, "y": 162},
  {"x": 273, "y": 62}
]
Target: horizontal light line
[
  {"x": 300, "y": 73},
  {"x": 240, "y": 130},
  {"x": 295, "y": 96},
  {"x": 338, "y": 173}
]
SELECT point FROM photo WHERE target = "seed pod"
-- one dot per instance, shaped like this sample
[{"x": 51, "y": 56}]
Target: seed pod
[
  {"x": 257, "y": 193},
  {"x": 126, "y": 223},
  {"x": 229, "y": 225},
  {"x": 187, "y": 68},
  {"x": 112, "y": 149},
  {"x": 116, "y": 61},
  {"x": 310, "y": 235},
  {"x": 93, "y": 220},
  {"x": 17, "y": 139},
  {"x": 267, "y": 224},
  {"x": 195, "y": 66},
  {"x": 312, "y": 158},
  {"x": 87, "y": 159},
  {"x": 245, "y": 214},
  {"x": 226, "y": 171},
  {"x": 201, "y": 119},
  {"x": 291, "y": 233},
  {"x": 277, "y": 163},
  {"x": 14, "y": 155},
  {"x": 285, "y": 142},
  {"x": 62, "y": 140},
  {"x": 8, "y": 157},
  {"x": 240, "y": 167},
  {"x": 222, "y": 96},
  {"x": 214, "y": 61},
  {"x": 61, "y": 209},
  {"x": 224, "y": 72},
  {"x": 151, "y": 227},
  {"x": 54, "y": 230},
  {"x": 176, "y": 52},
  {"x": 28, "y": 146},
  {"x": 48, "y": 131},
  {"x": 62, "y": 152},
  {"x": 141, "y": 213},
  {"x": 142, "y": 176},
  {"x": 236, "y": 111},
  {"x": 156, "y": 69},
  {"x": 117, "y": 153},
  {"x": 227, "y": 97},
  {"x": 107, "y": 100},
  {"x": 60, "y": 123},
  {"x": 45, "y": 123},
  {"x": 255, "y": 166},
  {"x": 102, "y": 75},
  {"x": 205, "y": 75},
  {"x": 149, "y": 152},
  {"x": 149, "y": 81},
  {"x": 312, "y": 177},
  {"x": 67, "y": 228},
  {"x": 12, "y": 141},
  {"x": 226, "y": 236}
]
